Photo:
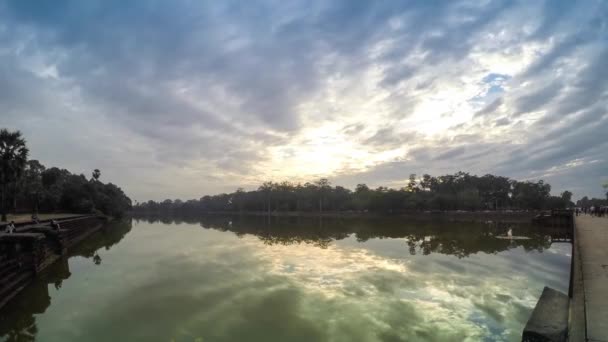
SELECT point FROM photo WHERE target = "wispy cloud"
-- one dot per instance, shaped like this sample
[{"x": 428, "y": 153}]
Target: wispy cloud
[{"x": 201, "y": 97}]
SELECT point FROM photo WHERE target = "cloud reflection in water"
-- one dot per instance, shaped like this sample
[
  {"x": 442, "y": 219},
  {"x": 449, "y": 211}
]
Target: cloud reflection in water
[{"x": 348, "y": 281}]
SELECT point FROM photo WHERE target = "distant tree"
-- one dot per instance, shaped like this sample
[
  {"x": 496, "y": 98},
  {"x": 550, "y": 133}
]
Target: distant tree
[
  {"x": 238, "y": 199},
  {"x": 531, "y": 195},
  {"x": 566, "y": 196},
  {"x": 53, "y": 184},
  {"x": 53, "y": 176},
  {"x": 323, "y": 188},
  {"x": 459, "y": 191},
  {"x": 31, "y": 184},
  {"x": 266, "y": 189},
  {"x": 362, "y": 197},
  {"x": 96, "y": 174},
  {"x": 426, "y": 182},
  {"x": 13, "y": 158},
  {"x": 361, "y": 188},
  {"x": 411, "y": 184},
  {"x": 493, "y": 190},
  {"x": 33, "y": 187}
]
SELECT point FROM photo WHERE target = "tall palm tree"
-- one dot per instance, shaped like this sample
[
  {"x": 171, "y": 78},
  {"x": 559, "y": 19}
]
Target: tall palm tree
[
  {"x": 96, "y": 174},
  {"x": 13, "y": 158}
]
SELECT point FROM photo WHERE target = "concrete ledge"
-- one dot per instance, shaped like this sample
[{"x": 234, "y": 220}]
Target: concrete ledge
[
  {"x": 577, "y": 330},
  {"x": 549, "y": 320}
]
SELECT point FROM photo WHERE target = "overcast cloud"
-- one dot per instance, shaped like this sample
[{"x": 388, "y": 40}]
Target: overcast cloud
[{"x": 176, "y": 99}]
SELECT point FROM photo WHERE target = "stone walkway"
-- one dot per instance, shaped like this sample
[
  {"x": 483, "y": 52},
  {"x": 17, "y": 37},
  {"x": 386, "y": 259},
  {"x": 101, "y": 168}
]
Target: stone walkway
[{"x": 592, "y": 241}]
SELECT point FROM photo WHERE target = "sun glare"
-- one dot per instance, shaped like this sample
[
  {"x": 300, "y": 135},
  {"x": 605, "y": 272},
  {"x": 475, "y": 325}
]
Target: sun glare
[{"x": 324, "y": 152}]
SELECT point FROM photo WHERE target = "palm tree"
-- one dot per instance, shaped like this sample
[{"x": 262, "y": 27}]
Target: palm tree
[
  {"x": 13, "y": 158},
  {"x": 96, "y": 174}
]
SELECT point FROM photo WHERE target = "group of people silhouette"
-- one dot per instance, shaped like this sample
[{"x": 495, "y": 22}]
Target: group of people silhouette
[{"x": 599, "y": 211}]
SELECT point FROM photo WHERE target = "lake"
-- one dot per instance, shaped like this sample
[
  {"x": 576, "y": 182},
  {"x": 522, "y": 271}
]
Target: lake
[{"x": 290, "y": 279}]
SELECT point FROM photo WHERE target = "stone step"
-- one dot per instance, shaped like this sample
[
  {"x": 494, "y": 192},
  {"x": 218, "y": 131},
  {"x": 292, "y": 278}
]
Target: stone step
[
  {"x": 549, "y": 320},
  {"x": 14, "y": 285},
  {"x": 5, "y": 270}
]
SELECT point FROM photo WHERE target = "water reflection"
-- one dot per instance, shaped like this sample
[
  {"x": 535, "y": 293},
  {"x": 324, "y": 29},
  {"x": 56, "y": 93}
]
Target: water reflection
[
  {"x": 402, "y": 281},
  {"x": 109, "y": 236},
  {"x": 17, "y": 318},
  {"x": 289, "y": 279},
  {"x": 422, "y": 237}
]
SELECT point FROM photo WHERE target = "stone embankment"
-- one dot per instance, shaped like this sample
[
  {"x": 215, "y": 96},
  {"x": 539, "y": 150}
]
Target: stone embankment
[{"x": 34, "y": 246}]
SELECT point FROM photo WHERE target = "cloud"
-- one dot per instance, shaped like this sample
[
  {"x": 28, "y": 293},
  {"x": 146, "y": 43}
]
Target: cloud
[
  {"x": 205, "y": 97},
  {"x": 489, "y": 109},
  {"x": 537, "y": 99}
]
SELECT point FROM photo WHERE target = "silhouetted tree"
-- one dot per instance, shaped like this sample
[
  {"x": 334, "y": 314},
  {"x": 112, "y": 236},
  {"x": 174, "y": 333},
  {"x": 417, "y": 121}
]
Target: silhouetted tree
[
  {"x": 459, "y": 191},
  {"x": 37, "y": 188},
  {"x": 266, "y": 189},
  {"x": 96, "y": 174},
  {"x": 13, "y": 159},
  {"x": 323, "y": 188},
  {"x": 425, "y": 182},
  {"x": 411, "y": 184},
  {"x": 566, "y": 197},
  {"x": 30, "y": 185}
]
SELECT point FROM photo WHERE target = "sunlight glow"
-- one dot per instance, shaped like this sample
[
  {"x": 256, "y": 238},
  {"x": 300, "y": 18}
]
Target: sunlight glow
[{"x": 324, "y": 151}]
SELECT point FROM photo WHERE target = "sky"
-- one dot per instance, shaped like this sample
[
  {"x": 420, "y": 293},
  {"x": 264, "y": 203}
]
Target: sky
[{"x": 178, "y": 99}]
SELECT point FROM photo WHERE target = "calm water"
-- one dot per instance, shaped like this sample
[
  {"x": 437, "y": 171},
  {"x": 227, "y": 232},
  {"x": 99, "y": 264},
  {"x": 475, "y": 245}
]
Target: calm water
[{"x": 225, "y": 279}]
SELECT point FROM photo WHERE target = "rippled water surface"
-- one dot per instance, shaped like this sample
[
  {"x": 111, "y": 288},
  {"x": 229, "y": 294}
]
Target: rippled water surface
[{"x": 248, "y": 279}]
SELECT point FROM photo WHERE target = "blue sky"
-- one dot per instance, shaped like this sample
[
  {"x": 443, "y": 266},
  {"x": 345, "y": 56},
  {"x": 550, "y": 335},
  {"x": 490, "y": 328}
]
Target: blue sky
[{"x": 184, "y": 98}]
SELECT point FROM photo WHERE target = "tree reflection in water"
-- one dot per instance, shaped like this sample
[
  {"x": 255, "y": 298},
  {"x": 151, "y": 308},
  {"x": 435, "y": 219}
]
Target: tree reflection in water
[
  {"x": 35, "y": 299},
  {"x": 421, "y": 237},
  {"x": 418, "y": 237}
]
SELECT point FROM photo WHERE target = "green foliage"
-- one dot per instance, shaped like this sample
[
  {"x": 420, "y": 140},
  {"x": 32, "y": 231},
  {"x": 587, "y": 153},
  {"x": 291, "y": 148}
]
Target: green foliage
[
  {"x": 460, "y": 191},
  {"x": 31, "y": 187},
  {"x": 532, "y": 195},
  {"x": 55, "y": 189}
]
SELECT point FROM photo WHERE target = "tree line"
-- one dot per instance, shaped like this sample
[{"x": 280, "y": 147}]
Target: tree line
[
  {"x": 587, "y": 202},
  {"x": 459, "y": 191},
  {"x": 28, "y": 186}
]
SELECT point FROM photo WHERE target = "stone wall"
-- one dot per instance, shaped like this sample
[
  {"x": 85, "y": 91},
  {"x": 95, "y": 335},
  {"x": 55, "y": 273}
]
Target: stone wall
[{"x": 33, "y": 247}]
